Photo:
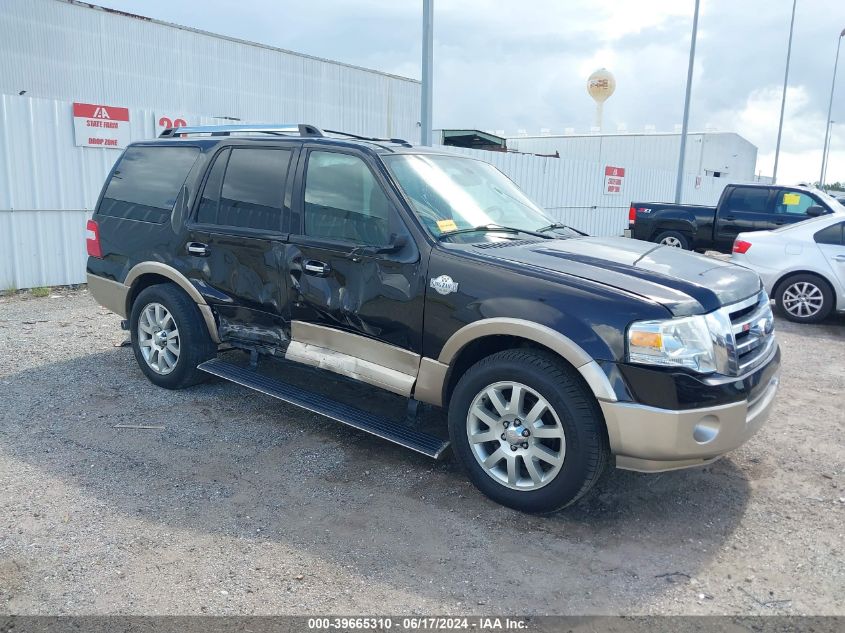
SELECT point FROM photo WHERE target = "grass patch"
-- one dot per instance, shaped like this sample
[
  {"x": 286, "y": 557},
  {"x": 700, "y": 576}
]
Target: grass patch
[
  {"x": 11, "y": 290},
  {"x": 41, "y": 291}
]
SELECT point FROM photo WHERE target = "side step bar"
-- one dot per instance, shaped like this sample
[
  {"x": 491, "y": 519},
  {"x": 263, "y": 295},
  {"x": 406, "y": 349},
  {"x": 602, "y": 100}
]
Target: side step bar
[{"x": 382, "y": 427}]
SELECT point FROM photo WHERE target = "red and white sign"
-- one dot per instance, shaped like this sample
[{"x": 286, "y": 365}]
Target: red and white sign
[
  {"x": 97, "y": 125},
  {"x": 613, "y": 177},
  {"x": 169, "y": 120}
]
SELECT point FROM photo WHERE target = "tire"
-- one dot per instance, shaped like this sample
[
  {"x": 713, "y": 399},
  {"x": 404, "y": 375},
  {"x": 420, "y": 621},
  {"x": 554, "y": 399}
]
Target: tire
[
  {"x": 673, "y": 239},
  {"x": 163, "y": 366},
  {"x": 572, "y": 410},
  {"x": 804, "y": 298}
]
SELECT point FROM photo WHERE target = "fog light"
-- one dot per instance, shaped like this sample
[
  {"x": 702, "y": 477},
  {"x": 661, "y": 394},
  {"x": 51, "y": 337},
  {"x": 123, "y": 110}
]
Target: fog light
[{"x": 706, "y": 430}]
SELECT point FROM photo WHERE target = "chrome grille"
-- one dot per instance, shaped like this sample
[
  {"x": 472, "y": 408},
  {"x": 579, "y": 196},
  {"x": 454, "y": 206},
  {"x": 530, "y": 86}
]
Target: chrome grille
[{"x": 752, "y": 333}]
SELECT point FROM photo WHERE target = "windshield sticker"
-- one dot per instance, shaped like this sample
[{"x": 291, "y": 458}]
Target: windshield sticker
[
  {"x": 446, "y": 225},
  {"x": 791, "y": 199},
  {"x": 444, "y": 284}
]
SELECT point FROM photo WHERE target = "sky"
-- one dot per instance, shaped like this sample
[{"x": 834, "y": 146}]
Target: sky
[{"x": 523, "y": 65}]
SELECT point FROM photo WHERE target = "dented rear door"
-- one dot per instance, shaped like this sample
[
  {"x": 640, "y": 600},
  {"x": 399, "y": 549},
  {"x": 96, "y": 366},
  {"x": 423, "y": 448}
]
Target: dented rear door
[{"x": 236, "y": 246}]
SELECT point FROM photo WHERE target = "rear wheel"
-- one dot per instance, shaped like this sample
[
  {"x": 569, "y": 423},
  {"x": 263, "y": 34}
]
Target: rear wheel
[
  {"x": 169, "y": 337},
  {"x": 527, "y": 430},
  {"x": 804, "y": 298},
  {"x": 673, "y": 239}
]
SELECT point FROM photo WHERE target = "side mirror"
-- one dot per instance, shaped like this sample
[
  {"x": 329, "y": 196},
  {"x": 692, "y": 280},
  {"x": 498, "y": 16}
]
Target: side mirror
[
  {"x": 815, "y": 211},
  {"x": 396, "y": 244}
]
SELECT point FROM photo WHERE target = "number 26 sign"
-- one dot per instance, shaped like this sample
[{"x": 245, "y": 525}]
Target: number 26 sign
[{"x": 165, "y": 122}]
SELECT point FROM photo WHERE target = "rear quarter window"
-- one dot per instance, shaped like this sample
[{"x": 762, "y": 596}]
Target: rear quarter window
[
  {"x": 834, "y": 234},
  {"x": 146, "y": 182}
]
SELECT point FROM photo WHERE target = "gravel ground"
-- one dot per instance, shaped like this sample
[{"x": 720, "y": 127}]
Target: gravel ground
[{"x": 244, "y": 505}]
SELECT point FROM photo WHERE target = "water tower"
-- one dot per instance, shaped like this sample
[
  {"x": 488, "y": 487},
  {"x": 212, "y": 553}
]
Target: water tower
[{"x": 600, "y": 85}]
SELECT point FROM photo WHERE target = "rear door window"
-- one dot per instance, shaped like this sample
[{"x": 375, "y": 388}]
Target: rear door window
[
  {"x": 750, "y": 199},
  {"x": 245, "y": 189},
  {"x": 146, "y": 182}
]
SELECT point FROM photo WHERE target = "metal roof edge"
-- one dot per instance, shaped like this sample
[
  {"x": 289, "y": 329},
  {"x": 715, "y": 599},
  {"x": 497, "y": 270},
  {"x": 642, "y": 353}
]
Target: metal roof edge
[
  {"x": 135, "y": 16},
  {"x": 599, "y": 134}
]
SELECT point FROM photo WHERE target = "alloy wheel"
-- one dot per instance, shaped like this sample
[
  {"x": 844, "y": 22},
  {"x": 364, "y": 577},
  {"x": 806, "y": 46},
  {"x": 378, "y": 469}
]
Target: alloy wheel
[
  {"x": 803, "y": 299},
  {"x": 158, "y": 338},
  {"x": 516, "y": 436}
]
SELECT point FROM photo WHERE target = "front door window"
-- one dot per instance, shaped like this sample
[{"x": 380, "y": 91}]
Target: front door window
[
  {"x": 793, "y": 203},
  {"x": 343, "y": 200}
]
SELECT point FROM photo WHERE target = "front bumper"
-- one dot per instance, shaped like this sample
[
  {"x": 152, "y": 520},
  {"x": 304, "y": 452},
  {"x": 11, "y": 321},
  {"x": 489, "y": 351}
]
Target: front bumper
[{"x": 651, "y": 439}]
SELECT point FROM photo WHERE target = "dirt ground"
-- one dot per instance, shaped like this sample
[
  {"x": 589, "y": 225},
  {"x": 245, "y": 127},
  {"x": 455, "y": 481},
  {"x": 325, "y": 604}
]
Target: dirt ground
[{"x": 244, "y": 505}]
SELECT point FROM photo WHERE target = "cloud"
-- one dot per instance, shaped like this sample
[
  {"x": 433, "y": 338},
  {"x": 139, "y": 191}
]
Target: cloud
[{"x": 803, "y": 132}]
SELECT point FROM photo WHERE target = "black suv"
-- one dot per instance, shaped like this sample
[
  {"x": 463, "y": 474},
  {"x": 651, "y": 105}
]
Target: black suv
[{"x": 432, "y": 276}]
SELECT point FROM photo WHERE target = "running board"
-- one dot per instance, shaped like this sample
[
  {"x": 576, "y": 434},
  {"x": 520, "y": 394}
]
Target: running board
[{"x": 379, "y": 426}]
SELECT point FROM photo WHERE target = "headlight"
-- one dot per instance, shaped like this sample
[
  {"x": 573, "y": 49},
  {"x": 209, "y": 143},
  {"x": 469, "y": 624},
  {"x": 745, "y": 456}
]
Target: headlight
[{"x": 685, "y": 342}]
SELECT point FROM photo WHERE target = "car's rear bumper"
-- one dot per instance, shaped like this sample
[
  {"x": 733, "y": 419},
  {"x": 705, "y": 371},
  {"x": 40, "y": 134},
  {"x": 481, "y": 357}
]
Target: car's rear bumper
[
  {"x": 651, "y": 439},
  {"x": 108, "y": 293}
]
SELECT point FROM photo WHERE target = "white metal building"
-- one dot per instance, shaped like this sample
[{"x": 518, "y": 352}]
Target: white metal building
[
  {"x": 73, "y": 51},
  {"x": 714, "y": 154},
  {"x": 54, "y": 53}
]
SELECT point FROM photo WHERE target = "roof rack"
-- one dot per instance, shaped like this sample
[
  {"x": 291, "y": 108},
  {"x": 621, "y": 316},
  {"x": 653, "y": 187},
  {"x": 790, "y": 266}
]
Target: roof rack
[
  {"x": 302, "y": 129},
  {"x": 276, "y": 129},
  {"x": 398, "y": 141}
]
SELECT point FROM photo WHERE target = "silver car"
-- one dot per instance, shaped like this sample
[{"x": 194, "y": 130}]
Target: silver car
[{"x": 802, "y": 265}]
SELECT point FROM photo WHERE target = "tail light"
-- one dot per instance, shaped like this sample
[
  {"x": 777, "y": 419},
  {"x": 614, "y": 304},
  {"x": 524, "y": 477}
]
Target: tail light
[
  {"x": 92, "y": 239},
  {"x": 741, "y": 246},
  {"x": 632, "y": 215}
]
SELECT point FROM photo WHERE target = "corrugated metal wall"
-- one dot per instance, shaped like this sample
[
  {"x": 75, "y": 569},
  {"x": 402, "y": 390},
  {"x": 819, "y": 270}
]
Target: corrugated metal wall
[
  {"x": 42, "y": 248},
  {"x": 59, "y": 51},
  {"x": 74, "y": 52},
  {"x": 723, "y": 152}
]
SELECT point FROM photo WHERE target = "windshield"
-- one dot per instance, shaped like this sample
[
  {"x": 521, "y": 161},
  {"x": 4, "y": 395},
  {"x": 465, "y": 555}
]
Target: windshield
[
  {"x": 450, "y": 193},
  {"x": 834, "y": 204}
]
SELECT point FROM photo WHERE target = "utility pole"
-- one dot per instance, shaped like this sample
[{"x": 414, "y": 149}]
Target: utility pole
[
  {"x": 427, "y": 68},
  {"x": 829, "y": 111},
  {"x": 679, "y": 185},
  {"x": 783, "y": 97},
  {"x": 826, "y": 157}
]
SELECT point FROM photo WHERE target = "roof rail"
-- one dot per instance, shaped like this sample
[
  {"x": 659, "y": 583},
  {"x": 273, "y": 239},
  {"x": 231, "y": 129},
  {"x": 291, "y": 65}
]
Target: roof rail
[
  {"x": 398, "y": 141},
  {"x": 302, "y": 129},
  {"x": 277, "y": 129}
]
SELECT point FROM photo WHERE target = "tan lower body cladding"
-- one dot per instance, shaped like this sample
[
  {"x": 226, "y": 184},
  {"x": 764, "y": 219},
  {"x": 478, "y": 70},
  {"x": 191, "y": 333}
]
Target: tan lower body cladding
[{"x": 373, "y": 362}]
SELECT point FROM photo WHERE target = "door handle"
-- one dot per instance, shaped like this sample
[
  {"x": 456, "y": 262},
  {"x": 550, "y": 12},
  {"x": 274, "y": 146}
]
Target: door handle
[
  {"x": 197, "y": 249},
  {"x": 318, "y": 269},
  {"x": 839, "y": 258},
  {"x": 730, "y": 218}
]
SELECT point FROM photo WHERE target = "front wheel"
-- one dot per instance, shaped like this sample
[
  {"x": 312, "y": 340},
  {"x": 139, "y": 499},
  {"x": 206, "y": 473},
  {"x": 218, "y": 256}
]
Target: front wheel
[
  {"x": 527, "y": 430},
  {"x": 169, "y": 337}
]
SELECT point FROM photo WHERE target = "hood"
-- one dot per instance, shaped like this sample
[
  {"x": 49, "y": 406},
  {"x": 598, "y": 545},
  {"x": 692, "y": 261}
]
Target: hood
[{"x": 685, "y": 283}]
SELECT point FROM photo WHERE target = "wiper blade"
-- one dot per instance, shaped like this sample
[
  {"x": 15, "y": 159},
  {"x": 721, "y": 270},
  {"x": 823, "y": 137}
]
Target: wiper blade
[
  {"x": 492, "y": 228},
  {"x": 558, "y": 225}
]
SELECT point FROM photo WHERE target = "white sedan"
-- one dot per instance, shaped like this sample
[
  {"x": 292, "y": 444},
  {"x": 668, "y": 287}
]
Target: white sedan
[{"x": 802, "y": 265}]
